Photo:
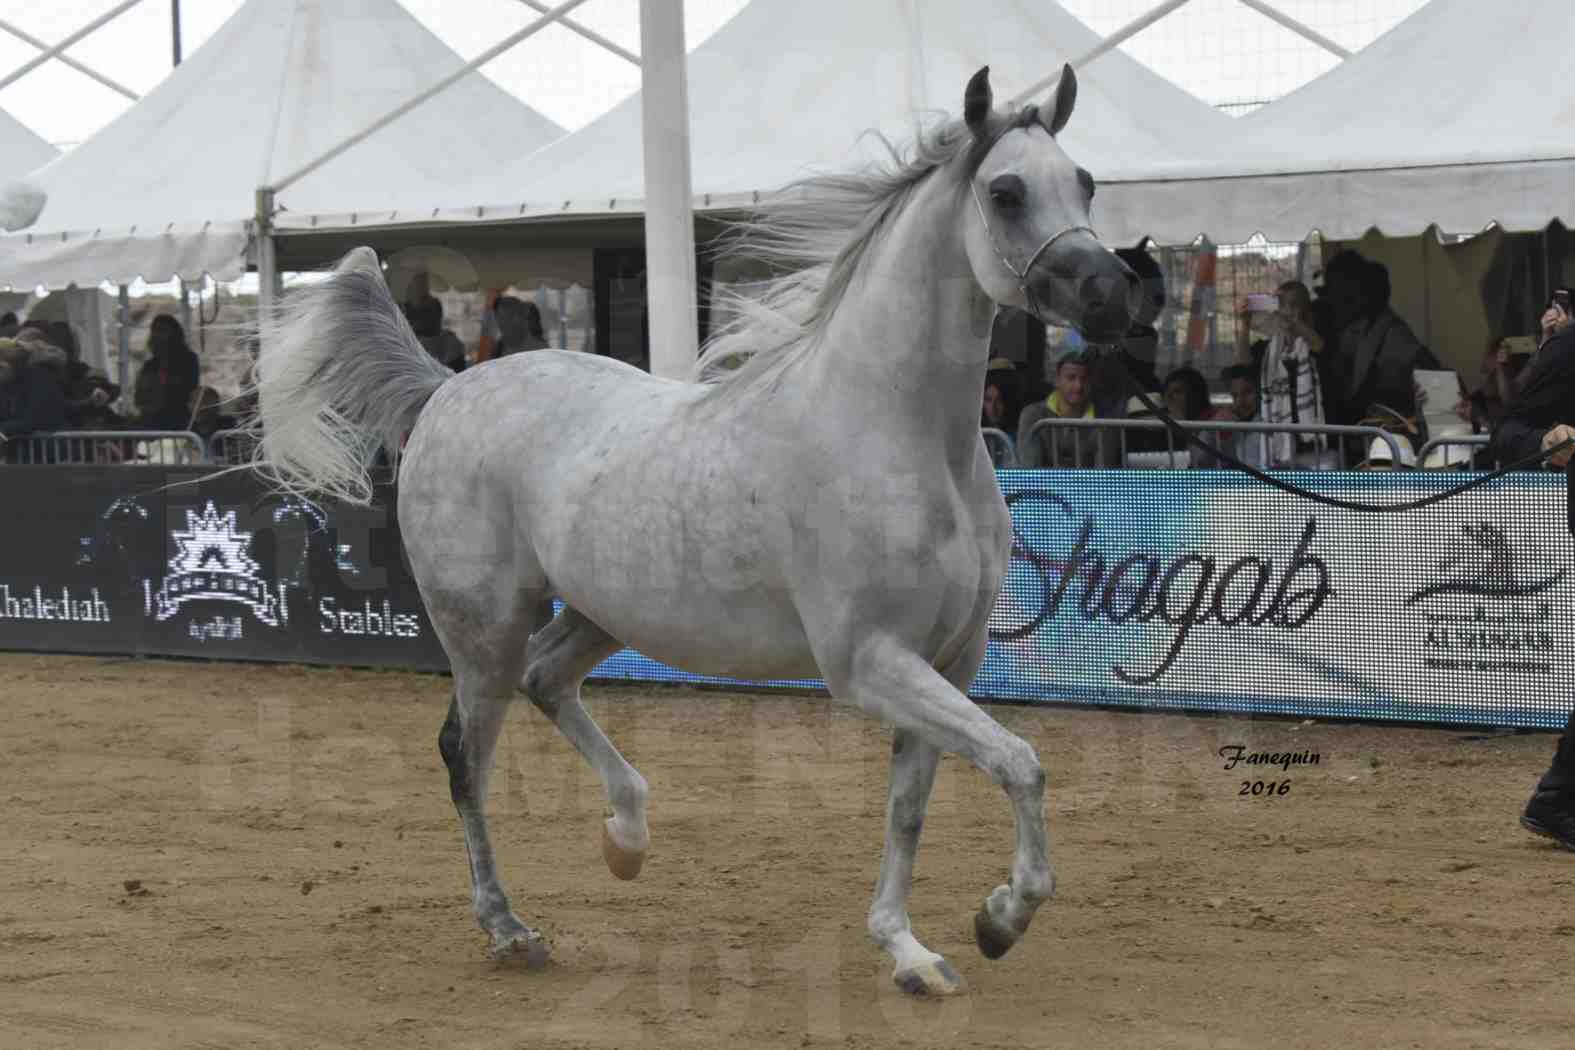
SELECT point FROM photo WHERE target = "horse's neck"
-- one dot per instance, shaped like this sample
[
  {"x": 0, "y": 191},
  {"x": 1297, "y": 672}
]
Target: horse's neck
[{"x": 908, "y": 344}]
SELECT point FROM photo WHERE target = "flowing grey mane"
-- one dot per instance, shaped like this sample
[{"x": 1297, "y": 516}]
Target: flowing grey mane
[{"x": 815, "y": 233}]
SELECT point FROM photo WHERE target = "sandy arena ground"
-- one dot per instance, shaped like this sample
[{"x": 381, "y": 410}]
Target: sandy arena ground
[{"x": 232, "y": 856}]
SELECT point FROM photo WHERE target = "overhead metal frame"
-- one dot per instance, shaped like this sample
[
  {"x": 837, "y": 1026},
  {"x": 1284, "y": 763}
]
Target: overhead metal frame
[
  {"x": 57, "y": 50},
  {"x": 1143, "y": 21},
  {"x": 669, "y": 206}
]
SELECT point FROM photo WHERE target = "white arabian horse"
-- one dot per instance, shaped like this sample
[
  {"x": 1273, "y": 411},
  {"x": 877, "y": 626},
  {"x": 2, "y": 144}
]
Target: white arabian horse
[{"x": 827, "y": 509}]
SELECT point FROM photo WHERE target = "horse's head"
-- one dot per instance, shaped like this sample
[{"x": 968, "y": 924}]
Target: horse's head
[{"x": 1029, "y": 239}]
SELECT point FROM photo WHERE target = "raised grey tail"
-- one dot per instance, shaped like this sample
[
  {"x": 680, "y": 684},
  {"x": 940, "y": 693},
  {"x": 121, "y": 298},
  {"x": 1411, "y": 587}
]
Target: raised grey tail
[{"x": 339, "y": 376}]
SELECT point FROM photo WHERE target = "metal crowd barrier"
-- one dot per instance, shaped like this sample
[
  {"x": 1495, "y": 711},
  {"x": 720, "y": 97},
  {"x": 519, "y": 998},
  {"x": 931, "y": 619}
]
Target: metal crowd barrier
[
  {"x": 231, "y": 448},
  {"x": 1445, "y": 461},
  {"x": 1176, "y": 458},
  {"x": 1003, "y": 450},
  {"x": 97, "y": 448}
]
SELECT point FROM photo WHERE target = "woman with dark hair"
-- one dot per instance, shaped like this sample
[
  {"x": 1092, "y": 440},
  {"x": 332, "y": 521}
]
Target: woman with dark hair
[
  {"x": 1003, "y": 403},
  {"x": 1186, "y": 400},
  {"x": 166, "y": 380},
  {"x": 519, "y": 326},
  {"x": 1187, "y": 395}
]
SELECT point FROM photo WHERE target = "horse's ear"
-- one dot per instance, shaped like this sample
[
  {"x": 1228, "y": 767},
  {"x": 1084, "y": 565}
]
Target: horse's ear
[
  {"x": 977, "y": 102},
  {"x": 1065, "y": 99}
]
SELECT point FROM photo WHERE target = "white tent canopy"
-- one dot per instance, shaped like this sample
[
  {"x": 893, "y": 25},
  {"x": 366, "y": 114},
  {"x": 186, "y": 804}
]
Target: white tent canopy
[
  {"x": 169, "y": 188},
  {"x": 20, "y": 149},
  {"x": 789, "y": 88},
  {"x": 1461, "y": 116}
]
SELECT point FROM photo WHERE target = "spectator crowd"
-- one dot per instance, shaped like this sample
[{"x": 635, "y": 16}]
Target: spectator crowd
[
  {"x": 1335, "y": 355},
  {"x": 46, "y": 388}
]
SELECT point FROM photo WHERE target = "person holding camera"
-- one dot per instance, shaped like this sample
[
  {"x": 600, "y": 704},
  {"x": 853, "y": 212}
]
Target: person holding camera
[
  {"x": 1550, "y": 812},
  {"x": 1293, "y": 371},
  {"x": 1542, "y": 412},
  {"x": 1556, "y": 318},
  {"x": 1541, "y": 417}
]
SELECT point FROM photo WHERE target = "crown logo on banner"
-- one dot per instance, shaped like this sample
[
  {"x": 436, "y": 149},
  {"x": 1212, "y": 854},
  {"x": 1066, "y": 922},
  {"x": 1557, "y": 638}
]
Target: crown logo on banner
[{"x": 212, "y": 562}]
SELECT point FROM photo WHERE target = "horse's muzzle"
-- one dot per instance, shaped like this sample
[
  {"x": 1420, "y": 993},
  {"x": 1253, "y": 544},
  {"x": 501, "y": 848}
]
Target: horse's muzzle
[{"x": 1092, "y": 288}]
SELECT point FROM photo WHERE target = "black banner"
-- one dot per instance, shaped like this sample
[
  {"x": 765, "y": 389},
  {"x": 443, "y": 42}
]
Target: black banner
[{"x": 189, "y": 563}]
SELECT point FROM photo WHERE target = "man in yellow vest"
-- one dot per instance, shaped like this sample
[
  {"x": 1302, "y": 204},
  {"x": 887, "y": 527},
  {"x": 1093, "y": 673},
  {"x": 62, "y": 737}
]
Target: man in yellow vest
[{"x": 1072, "y": 398}]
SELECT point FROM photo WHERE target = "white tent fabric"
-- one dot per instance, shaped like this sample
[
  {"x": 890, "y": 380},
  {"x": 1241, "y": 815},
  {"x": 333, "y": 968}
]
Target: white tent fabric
[
  {"x": 789, "y": 88},
  {"x": 20, "y": 149},
  {"x": 1461, "y": 116},
  {"x": 168, "y": 189}
]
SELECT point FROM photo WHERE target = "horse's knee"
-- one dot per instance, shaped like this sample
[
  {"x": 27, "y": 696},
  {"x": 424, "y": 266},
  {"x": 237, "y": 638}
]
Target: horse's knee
[
  {"x": 451, "y": 745},
  {"x": 1020, "y": 771}
]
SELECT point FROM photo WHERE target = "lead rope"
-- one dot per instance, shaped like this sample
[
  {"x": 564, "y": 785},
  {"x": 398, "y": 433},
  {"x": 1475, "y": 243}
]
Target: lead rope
[{"x": 1335, "y": 501}]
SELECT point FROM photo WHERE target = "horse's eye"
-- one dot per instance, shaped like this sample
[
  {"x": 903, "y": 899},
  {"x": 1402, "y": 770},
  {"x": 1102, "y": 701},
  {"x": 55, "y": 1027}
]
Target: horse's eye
[{"x": 1007, "y": 192}]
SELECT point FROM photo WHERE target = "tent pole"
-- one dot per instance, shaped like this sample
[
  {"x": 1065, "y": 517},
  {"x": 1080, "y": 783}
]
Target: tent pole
[
  {"x": 1430, "y": 237},
  {"x": 124, "y": 339},
  {"x": 267, "y": 262},
  {"x": 185, "y": 306},
  {"x": 175, "y": 27},
  {"x": 669, "y": 197}
]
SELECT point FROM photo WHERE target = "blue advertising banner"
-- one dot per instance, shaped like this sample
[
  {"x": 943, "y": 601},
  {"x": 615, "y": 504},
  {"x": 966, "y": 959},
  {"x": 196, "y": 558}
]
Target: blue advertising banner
[
  {"x": 1205, "y": 590},
  {"x": 1197, "y": 590}
]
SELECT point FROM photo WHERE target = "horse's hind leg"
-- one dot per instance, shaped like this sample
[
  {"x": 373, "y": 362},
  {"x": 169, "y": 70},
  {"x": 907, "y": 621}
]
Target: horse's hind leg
[
  {"x": 468, "y": 743},
  {"x": 567, "y": 650}
]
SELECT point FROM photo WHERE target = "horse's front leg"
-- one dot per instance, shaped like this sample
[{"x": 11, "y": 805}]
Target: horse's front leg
[
  {"x": 919, "y": 971},
  {"x": 913, "y": 763},
  {"x": 897, "y": 685}
]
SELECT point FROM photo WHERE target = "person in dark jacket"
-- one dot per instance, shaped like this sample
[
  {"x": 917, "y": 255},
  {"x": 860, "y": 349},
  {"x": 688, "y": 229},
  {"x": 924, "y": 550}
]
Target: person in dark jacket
[
  {"x": 1542, "y": 414},
  {"x": 1538, "y": 418},
  {"x": 30, "y": 399},
  {"x": 1378, "y": 351},
  {"x": 1119, "y": 372},
  {"x": 1550, "y": 812},
  {"x": 168, "y": 377}
]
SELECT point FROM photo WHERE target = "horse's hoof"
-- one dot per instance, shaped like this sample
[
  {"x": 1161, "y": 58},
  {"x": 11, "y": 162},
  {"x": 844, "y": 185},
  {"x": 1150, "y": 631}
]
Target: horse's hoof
[
  {"x": 526, "y": 946},
  {"x": 994, "y": 939},
  {"x": 623, "y": 863},
  {"x": 933, "y": 979}
]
